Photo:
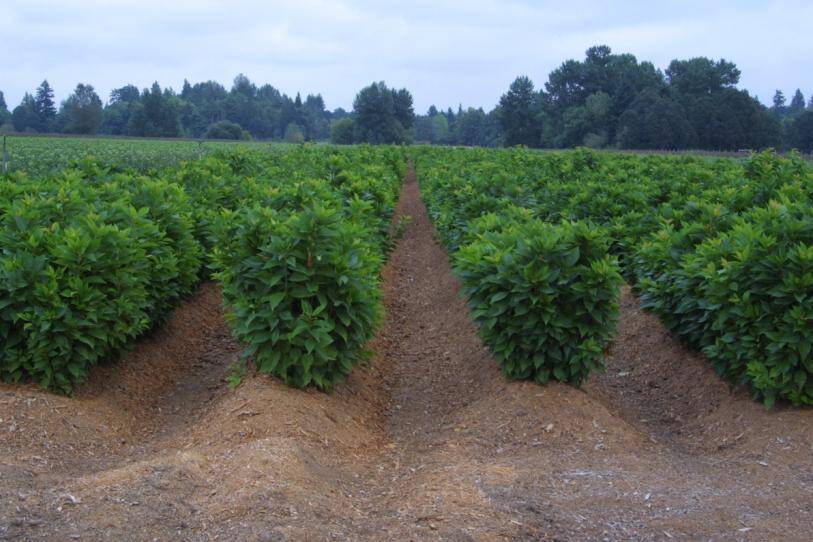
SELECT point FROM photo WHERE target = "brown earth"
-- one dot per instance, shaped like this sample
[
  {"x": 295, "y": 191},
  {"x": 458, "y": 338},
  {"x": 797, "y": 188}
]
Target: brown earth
[{"x": 428, "y": 442}]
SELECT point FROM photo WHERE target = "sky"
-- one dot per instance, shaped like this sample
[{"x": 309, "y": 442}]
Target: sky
[{"x": 445, "y": 52}]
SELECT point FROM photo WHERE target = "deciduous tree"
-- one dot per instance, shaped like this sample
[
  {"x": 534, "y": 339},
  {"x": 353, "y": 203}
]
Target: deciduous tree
[
  {"x": 376, "y": 117},
  {"x": 800, "y": 132},
  {"x": 341, "y": 131},
  {"x": 25, "y": 117},
  {"x": 81, "y": 112}
]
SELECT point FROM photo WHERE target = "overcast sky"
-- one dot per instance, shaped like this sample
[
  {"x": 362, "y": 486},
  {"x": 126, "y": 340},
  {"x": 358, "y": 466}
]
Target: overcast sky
[{"x": 445, "y": 52}]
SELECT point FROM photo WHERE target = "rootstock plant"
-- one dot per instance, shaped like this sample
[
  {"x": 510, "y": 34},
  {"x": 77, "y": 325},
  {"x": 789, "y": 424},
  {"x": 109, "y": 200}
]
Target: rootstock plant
[
  {"x": 300, "y": 271},
  {"x": 543, "y": 294},
  {"x": 90, "y": 259},
  {"x": 302, "y": 291},
  {"x": 545, "y": 297}
]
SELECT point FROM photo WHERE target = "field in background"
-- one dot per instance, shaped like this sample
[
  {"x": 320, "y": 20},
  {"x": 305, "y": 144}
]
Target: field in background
[{"x": 39, "y": 155}]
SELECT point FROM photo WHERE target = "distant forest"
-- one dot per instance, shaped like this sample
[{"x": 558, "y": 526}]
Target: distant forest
[{"x": 606, "y": 100}]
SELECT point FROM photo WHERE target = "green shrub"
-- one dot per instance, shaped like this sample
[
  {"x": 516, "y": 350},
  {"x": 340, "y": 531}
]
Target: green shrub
[
  {"x": 166, "y": 205},
  {"x": 302, "y": 292},
  {"x": 703, "y": 241},
  {"x": 756, "y": 282},
  {"x": 371, "y": 184},
  {"x": 226, "y": 129},
  {"x": 661, "y": 280},
  {"x": 158, "y": 213},
  {"x": 213, "y": 187},
  {"x": 740, "y": 288},
  {"x": 545, "y": 297},
  {"x": 69, "y": 296},
  {"x": 90, "y": 259},
  {"x": 93, "y": 256}
]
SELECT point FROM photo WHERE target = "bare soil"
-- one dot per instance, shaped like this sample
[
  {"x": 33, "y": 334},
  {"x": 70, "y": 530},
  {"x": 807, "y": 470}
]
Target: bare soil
[{"x": 426, "y": 442}]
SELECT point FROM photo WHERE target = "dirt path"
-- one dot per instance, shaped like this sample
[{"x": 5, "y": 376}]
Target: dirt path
[{"x": 427, "y": 443}]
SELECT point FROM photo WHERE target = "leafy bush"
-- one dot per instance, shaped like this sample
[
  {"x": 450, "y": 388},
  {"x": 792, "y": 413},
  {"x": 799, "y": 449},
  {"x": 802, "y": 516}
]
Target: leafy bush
[
  {"x": 756, "y": 283},
  {"x": 300, "y": 268},
  {"x": 302, "y": 291},
  {"x": 174, "y": 254},
  {"x": 660, "y": 277},
  {"x": 90, "y": 259},
  {"x": 370, "y": 195},
  {"x": 740, "y": 288},
  {"x": 71, "y": 292},
  {"x": 168, "y": 207},
  {"x": 545, "y": 297},
  {"x": 226, "y": 129},
  {"x": 213, "y": 186}
]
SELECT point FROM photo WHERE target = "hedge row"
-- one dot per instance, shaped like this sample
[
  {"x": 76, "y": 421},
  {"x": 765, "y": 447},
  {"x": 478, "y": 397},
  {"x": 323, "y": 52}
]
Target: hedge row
[
  {"x": 717, "y": 248},
  {"x": 300, "y": 266},
  {"x": 545, "y": 295},
  {"x": 92, "y": 257}
]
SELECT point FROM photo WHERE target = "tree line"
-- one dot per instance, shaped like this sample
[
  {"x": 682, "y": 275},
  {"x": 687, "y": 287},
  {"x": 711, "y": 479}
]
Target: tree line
[
  {"x": 202, "y": 110},
  {"x": 606, "y": 100},
  {"x": 612, "y": 100}
]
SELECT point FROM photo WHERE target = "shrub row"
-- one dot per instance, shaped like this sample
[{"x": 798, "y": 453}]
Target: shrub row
[
  {"x": 544, "y": 296},
  {"x": 90, "y": 259},
  {"x": 743, "y": 296},
  {"x": 717, "y": 248},
  {"x": 300, "y": 268}
]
